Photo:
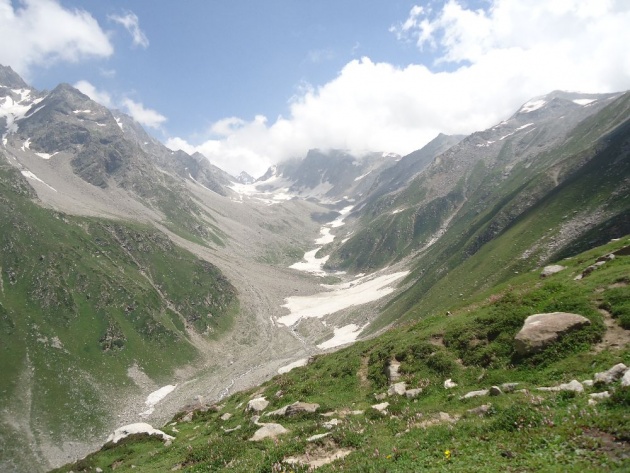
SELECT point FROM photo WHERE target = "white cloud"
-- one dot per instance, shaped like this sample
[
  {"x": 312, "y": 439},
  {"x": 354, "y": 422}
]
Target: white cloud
[
  {"x": 99, "y": 96},
  {"x": 130, "y": 21},
  {"x": 488, "y": 63},
  {"x": 144, "y": 116},
  {"x": 42, "y": 32}
]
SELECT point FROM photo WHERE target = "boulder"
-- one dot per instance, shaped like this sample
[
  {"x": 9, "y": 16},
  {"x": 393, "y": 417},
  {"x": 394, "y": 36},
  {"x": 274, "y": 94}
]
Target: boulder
[
  {"x": 330, "y": 424},
  {"x": 481, "y": 410},
  {"x": 612, "y": 375},
  {"x": 541, "y": 330},
  {"x": 625, "y": 380},
  {"x": 509, "y": 387},
  {"x": 226, "y": 416},
  {"x": 300, "y": 407},
  {"x": 449, "y": 384},
  {"x": 471, "y": 394},
  {"x": 602, "y": 395},
  {"x": 413, "y": 393},
  {"x": 574, "y": 386},
  {"x": 382, "y": 407},
  {"x": 495, "y": 391},
  {"x": 398, "y": 388},
  {"x": 552, "y": 269},
  {"x": 392, "y": 371},
  {"x": 268, "y": 431},
  {"x": 257, "y": 405}
]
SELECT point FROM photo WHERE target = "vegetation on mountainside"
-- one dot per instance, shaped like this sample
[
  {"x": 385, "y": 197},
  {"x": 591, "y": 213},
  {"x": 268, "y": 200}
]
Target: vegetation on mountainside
[
  {"x": 473, "y": 345},
  {"x": 81, "y": 300},
  {"x": 522, "y": 205}
]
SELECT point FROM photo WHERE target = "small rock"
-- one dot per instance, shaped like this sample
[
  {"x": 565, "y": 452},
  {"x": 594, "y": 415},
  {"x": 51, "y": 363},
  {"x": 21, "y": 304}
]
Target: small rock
[
  {"x": 331, "y": 423},
  {"x": 509, "y": 387},
  {"x": 226, "y": 416},
  {"x": 588, "y": 383},
  {"x": 257, "y": 405},
  {"x": 188, "y": 417},
  {"x": 481, "y": 410},
  {"x": 606, "y": 258},
  {"x": 592, "y": 402},
  {"x": 268, "y": 431},
  {"x": 227, "y": 431},
  {"x": 574, "y": 386},
  {"x": 612, "y": 375},
  {"x": 625, "y": 380},
  {"x": 300, "y": 407},
  {"x": 448, "y": 384},
  {"x": 99, "y": 470},
  {"x": 552, "y": 269},
  {"x": 413, "y": 393},
  {"x": 398, "y": 388},
  {"x": 382, "y": 407},
  {"x": 495, "y": 391},
  {"x": 317, "y": 437},
  {"x": 380, "y": 397},
  {"x": 471, "y": 394},
  {"x": 602, "y": 395}
]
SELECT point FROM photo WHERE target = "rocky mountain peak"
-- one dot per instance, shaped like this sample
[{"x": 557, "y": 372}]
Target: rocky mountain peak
[{"x": 11, "y": 79}]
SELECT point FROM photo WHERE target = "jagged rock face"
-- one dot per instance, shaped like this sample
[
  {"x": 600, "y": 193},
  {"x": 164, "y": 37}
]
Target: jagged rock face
[
  {"x": 10, "y": 79},
  {"x": 541, "y": 330}
]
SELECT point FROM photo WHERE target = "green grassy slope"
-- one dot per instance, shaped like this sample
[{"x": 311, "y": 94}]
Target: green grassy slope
[
  {"x": 82, "y": 300},
  {"x": 522, "y": 431}
]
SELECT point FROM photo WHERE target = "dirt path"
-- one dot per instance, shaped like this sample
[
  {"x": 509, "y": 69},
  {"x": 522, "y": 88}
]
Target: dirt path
[{"x": 615, "y": 337}]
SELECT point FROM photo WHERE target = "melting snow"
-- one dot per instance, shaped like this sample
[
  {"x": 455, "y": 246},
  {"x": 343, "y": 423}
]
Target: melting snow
[
  {"x": 357, "y": 292},
  {"x": 361, "y": 177},
  {"x": 583, "y": 101},
  {"x": 26, "y": 145},
  {"x": 342, "y": 336},
  {"x": 81, "y": 111},
  {"x": 139, "y": 428},
  {"x": 157, "y": 396},
  {"x": 119, "y": 123},
  {"x": 290, "y": 366},
  {"x": 29, "y": 175},
  {"x": 46, "y": 155},
  {"x": 532, "y": 105}
]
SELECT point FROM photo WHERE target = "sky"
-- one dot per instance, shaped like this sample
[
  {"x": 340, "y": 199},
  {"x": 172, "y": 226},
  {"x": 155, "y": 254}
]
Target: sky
[{"x": 251, "y": 83}]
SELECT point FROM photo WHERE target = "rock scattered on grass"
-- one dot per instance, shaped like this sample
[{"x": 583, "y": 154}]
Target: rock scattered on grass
[
  {"x": 612, "y": 375},
  {"x": 471, "y": 394},
  {"x": 398, "y": 388},
  {"x": 257, "y": 405},
  {"x": 449, "y": 384},
  {"x": 268, "y": 431},
  {"x": 551, "y": 269},
  {"x": 382, "y": 407}
]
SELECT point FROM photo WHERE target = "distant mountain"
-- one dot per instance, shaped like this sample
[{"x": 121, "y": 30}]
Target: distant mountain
[{"x": 327, "y": 175}]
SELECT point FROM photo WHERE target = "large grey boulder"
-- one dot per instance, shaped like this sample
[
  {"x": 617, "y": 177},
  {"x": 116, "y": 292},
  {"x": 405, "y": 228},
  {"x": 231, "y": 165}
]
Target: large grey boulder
[
  {"x": 552, "y": 269},
  {"x": 541, "y": 330}
]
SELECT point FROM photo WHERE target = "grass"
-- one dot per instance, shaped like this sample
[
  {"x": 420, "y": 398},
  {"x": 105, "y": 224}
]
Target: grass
[
  {"x": 522, "y": 431},
  {"x": 81, "y": 300}
]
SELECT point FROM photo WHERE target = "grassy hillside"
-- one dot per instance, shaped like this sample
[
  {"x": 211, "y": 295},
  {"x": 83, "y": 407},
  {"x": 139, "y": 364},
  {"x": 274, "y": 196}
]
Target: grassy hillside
[
  {"x": 81, "y": 301},
  {"x": 473, "y": 345}
]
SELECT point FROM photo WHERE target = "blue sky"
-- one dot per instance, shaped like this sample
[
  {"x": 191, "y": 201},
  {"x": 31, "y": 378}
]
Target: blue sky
[{"x": 249, "y": 83}]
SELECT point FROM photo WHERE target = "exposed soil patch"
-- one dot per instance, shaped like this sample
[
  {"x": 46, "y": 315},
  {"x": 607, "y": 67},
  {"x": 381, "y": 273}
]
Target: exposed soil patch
[
  {"x": 615, "y": 337},
  {"x": 363, "y": 372},
  {"x": 616, "y": 450}
]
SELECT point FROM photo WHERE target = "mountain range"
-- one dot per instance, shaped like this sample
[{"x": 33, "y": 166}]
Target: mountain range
[{"x": 127, "y": 266}]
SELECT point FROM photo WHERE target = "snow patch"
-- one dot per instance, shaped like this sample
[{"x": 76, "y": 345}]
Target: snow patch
[
  {"x": 119, "y": 123},
  {"x": 26, "y": 145},
  {"x": 342, "y": 336},
  {"x": 81, "y": 111},
  {"x": 157, "y": 396},
  {"x": 29, "y": 175},
  {"x": 357, "y": 292},
  {"x": 584, "y": 101},
  {"x": 532, "y": 105},
  {"x": 138, "y": 428},
  {"x": 290, "y": 366},
  {"x": 362, "y": 176},
  {"x": 46, "y": 155}
]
